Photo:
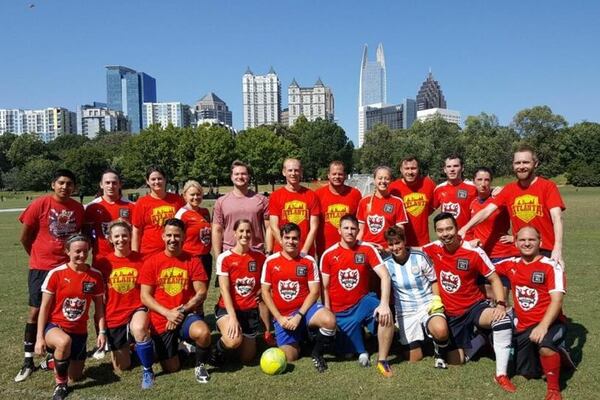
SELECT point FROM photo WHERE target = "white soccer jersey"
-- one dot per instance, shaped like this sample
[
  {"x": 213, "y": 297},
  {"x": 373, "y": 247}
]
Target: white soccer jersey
[{"x": 411, "y": 282}]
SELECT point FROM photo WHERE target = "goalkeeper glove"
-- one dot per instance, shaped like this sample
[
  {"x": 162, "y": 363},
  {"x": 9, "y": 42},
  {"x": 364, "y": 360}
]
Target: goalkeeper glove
[{"x": 436, "y": 307}]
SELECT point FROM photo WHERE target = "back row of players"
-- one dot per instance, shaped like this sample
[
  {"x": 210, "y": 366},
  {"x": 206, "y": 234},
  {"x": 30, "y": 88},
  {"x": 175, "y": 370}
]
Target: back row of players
[{"x": 246, "y": 225}]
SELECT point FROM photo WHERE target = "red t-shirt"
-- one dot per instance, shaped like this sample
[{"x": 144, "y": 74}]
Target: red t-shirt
[
  {"x": 492, "y": 229},
  {"x": 418, "y": 201},
  {"x": 349, "y": 271},
  {"x": 531, "y": 207},
  {"x": 457, "y": 275},
  {"x": 532, "y": 285},
  {"x": 333, "y": 207},
  {"x": 384, "y": 213},
  {"x": 53, "y": 223},
  {"x": 243, "y": 271},
  {"x": 149, "y": 215},
  {"x": 289, "y": 279},
  {"x": 73, "y": 292},
  {"x": 296, "y": 207},
  {"x": 122, "y": 291},
  {"x": 171, "y": 278},
  {"x": 455, "y": 199},
  {"x": 197, "y": 230},
  {"x": 99, "y": 214}
]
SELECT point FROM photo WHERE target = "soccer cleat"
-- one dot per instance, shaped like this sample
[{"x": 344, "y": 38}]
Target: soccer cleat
[
  {"x": 269, "y": 339},
  {"x": 147, "y": 379},
  {"x": 363, "y": 360},
  {"x": 24, "y": 373},
  {"x": 384, "y": 368},
  {"x": 504, "y": 382},
  {"x": 201, "y": 374},
  {"x": 440, "y": 363},
  {"x": 60, "y": 392},
  {"x": 319, "y": 363},
  {"x": 553, "y": 395},
  {"x": 47, "y": 363}
]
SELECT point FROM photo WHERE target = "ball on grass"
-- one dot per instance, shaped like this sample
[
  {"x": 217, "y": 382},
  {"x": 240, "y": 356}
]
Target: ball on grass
[{"x": 272, "y": 361}]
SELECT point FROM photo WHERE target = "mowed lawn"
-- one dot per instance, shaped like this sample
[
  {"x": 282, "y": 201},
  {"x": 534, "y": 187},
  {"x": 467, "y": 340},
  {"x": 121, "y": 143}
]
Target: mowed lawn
[{"x": 344, "y": 379}]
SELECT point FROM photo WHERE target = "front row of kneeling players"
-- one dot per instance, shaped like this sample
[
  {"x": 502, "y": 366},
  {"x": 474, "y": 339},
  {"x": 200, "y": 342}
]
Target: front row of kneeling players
[{"x": 167, "y": 306}]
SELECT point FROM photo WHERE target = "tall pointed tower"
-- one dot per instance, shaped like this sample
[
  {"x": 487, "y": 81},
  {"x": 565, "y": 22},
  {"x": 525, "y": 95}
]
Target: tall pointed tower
[{"x": 372, "y": 87}]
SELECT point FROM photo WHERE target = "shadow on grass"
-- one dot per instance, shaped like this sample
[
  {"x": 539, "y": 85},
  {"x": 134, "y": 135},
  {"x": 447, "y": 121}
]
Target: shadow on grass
[
  {"x": 576, "y": 339},
  {"x": 98, "y": 375}
]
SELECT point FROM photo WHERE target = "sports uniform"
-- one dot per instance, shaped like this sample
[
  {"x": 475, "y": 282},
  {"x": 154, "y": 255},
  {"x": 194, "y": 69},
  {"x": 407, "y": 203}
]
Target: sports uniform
[
  {"x": 99, "y": 213},
  {"x": 455, "y": 199},
  {"x": 333, "y": 207},
  {"x": 418, "y": 202},
  {"x": 379, "y": 213},
  {"x": 492, "y": 229},
  {"x": 197, "y": 235}
]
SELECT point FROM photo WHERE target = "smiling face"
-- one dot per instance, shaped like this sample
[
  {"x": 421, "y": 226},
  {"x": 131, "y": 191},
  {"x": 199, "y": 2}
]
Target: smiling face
[
  {"x": 156, "y": 182},
  {"x": 111, "y": 186},
  {"x": 336, "y": 175},
  {"x": 447, "y": 232},
  {"x": 453, "y": 169},
  {"x": 398, "y": 248},
  {"x": 528, "y": 242},
  {"x": 524, "y": 165},
  {"x": 120, "y": 238},
  {"x": 193, "y": 196},
  {"x": 243, "y": 234},
  {"x": 173, "y": 238},
  {"x": 383, "y": 177},
  {"x": 292, "y": 171},
  {"x": 348, "y": 231},
  {"x": 290, "y": 242},
  {"x": 63, "y": 187},
  {"x": 240, "y": 176},
  {"x": 409, "y": 171},
  {"x": 78, "y": 252}
]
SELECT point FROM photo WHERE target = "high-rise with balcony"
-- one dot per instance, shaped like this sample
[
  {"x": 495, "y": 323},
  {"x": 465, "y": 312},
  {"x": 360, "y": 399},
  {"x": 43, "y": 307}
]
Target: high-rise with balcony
[
  {"x": 372, "y": 87},
  {"x": 312, "y": 102},
  {"x": 47, "y": 123},
  {"x": 261, "y": 98},
  {"x": 165, "y": 114}
]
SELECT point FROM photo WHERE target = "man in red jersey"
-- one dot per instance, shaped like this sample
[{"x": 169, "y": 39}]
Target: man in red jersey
[
  {"x": 539, "y": 288},
  {"x": 336, "y": 200},
  {"x": 531, "y": 200},
  {"x": 290, "y": 288},
  {"x": 346, "y": 267},
  {"x": 297, "y": 204},
  {"x": 456, "y": 194},
  {"x": 417, "y": 193},
  {"x": 47, "y": 223},
  {"x": 457, "y": 265}
]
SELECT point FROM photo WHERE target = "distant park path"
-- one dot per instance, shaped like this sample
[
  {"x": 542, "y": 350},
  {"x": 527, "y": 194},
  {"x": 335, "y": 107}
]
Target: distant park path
[{"x": 11, "y": 209}]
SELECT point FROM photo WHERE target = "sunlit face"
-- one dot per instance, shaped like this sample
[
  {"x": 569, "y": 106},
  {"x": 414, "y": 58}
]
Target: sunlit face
[
  {"x": 409, "y": 171},
  {"x": 243, "y": 234},
  {"x": 524, "y": 165},
  {"x": 156, "y": 182},
  {"x": 453, "y": 169},
  {"x": 173, "y": 238},
  {"x": 382, "y": 180},
  {"x": 291, "y": 241},
  {"x": 111, "y": 185},
  {"x": 398, "y": 248},
  {"x": 336, "y": 175},
  {"x": 193, "y": 196},
  {"x": 292, "y": 171},
  {"x": 240, "y": 176},
  {"x": 120, "y": 238},
  {"x": 63, "y": 187},
  {"x": 483, "y": 182},
  {"x": 528, "y": 242},
  {"x": 446, "y": 232},
  {"x": 348, "y": 231},
  {"x": 78, "y": 252}
]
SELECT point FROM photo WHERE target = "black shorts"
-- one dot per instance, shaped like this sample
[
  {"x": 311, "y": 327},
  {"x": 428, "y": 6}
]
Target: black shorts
[
  {"x": 462, "y": 327},
  {"x": 527, "y": 360},
  {"x": 166, "y": 345},
  {"x": 78, "y": 342},
  {"x": 35, "y": 280},
  {"x": 482, "y": 280},
  {"x": 120, "y": 336},
  {"x": 248, "y": 319}
]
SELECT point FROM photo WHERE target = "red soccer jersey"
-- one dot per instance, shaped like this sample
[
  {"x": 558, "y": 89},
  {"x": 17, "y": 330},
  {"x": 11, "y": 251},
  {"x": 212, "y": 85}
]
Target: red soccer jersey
[
  {"x": 492, "y": 229},
  {"x": 53, "y": 223},
  {"x": 418, "y": 201},
  {"x": 171, "y": 278},
  {"x": 333, "y": 207},
  {"x": 455, "y": 199},
  {"x": 296, "y": 207},
  {"x": 99, "y": 214},
  {"x": 243, "y": 271},
  {"x": 532, "y": 284},
  {"x": 149, "y": 216},
  {"x": 457, "y": 275},
  {"x": 197, "y": 230},
  {"x": 289, "y": 279},
  {"x": 378, "y": 214},
  {"x": 349, "y": 271},
  {"x": 73, "y": 292},
  {"x": 122, "y": 291},
  {"x": 531, "y": 206}
]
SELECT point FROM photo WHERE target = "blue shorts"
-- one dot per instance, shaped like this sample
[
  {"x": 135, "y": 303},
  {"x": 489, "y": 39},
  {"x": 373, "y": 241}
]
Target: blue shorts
[
  {"x": 352, "y": 320},
  {"x": 78, "y": 342},
  {"x": 462, "y": 326},
  {"x": 287, "y": 337},
  {"x": 166, "y": 344}
]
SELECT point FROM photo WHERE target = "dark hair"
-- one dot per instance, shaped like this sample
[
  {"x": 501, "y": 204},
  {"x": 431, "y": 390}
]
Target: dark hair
[
  {"x": 240, "y": 163},
  {"x": 408, "y": 158},
  {"x": 67, "y": 173},
  {"x": 524, "y": 147},
  {"x": 454, "y": 156},
  {"x": 442, "y": 216},
  {"x": 155, "y": 168},
  {"x": 110, "y": 171},
  {"x": 394, "y": 233},
  {"x": 175, "y": 222},
  {"x": 120, "y": 224},
  {"x": 77, "y": 237},
  {"x": 349, "y": 217},
  {"x": 336, "y": 163},
  {"x": 290, "y": 227},
  {"x": 241, "y": 221},
  {"x": 483, "y": 169}
]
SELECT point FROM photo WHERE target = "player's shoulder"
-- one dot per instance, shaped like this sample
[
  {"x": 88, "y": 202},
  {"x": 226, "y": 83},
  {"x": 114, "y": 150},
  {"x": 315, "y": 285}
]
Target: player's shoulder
[
  {"x": 436, "y": 244},
  {"x": 273, "y": 257},
  {"x": 419, "y": 253},
  {"x": 397, "y": 199},
  {"x": 181, "y": 212},
  {"x": 307, "y": 258},
  {"x": 441, "y": 186},
  {"x": 330, "y": 250},
  {"x": 366, "y": 246},
  {"x": 95, "y": 272},
  {"x": 469, "y": 183},
  {"x": 94, "y": 203},
  {"x": 224, "y": 255},
  {"x": 550, "y": 264}
]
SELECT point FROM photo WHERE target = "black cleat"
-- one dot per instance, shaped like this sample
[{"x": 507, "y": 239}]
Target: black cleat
[
  {"x": 60, "y": 392},
  {"x": 319, "y": 363}
]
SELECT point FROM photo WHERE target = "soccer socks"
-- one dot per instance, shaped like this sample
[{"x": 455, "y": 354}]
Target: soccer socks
[
  {"x": 61, "y": 371},
  {"x": 440, "y": 348},
  {"x": 502, "y": 334},
  {"x": 29, "y": 342},
  {"x": 202, "y": 354},
  {"x": 324, "y": 338},
  {"x": 145, "y": 353},
  {"x": 551, "y": 367}
]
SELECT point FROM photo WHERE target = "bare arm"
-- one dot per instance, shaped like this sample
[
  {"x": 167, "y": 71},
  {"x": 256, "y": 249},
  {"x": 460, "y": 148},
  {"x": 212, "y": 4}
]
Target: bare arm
[
  {"x": 27, "y": 236},
  {"x": 268, "y": 237},
  {"x": 498, "y": 290},
  {"x": 217, "y": 239},
  {"x": 557, "y": 225},
  {"x": 326, "y": 299},
  {"x": 552, "y": 312},
  {"x": 435, "y": 289},
  {"x": 274, "y": 224},
  {"x": 383, "y": 311},
  {"x": 233, "y": 328},
  {"x": 40, "y": 343},
  {"x": 100, "y": 321},
  {"x": 136, "y": 239},
  {"x": 147, "y": 297},
  {"x": 201, "y": 288},
  {"x": 313, "y": 294},
  {"x": 312, "y": 233},
  {"x": 268, "y": 300},
  {"x": 476, "y": 219},
  {"x": 361, "y": 231}
]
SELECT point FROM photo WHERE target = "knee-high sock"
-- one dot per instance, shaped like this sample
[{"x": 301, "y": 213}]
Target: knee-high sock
[
  {"x": 202, "y": 354},
  {"x": 502, "y": 334},
  {"x": 551, "y": 367},
  {"x": 29, "y": 341},
  {"x": 440, "y": 348},
  {"x": 324, "y": 337},
  {"x": 61, "y": 371},
  {"x": 145, "y": 353}
]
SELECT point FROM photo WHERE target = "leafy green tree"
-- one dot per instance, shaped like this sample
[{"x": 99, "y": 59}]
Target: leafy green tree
[
  {"x": 25, "y": 148},
  {"x": 87, "y": 163},
  {"x": 63, "y": 143},
  {"x": 6, "y": 140},
  {"x": 377, "y": 149},
  {"x": 36, "y": 174},
  {"x": 580, "y": 150}
]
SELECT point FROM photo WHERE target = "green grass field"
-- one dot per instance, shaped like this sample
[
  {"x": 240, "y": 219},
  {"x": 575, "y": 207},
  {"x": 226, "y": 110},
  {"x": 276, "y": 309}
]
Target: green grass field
[{"x": 344, "y": 379}]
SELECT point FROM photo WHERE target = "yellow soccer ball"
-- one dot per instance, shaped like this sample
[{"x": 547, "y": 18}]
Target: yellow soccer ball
[{"x": 272, "y": 361}]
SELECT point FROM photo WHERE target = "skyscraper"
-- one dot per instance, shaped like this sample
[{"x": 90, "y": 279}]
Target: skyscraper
[
  {"x": 372, "y": 87},
  {"x": 47, "y": 123},
  {"x": 163, "y": 114},
  {"x": 261, "y": 98},
  {"x": 430, "y": 95},
  {"x": 127, "y": 90},
  {"x": 312, "y": 102},
  {"x": 211, "y": 108}
]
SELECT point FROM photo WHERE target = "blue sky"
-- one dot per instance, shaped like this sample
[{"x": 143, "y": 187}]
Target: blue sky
[{"x": 489, "y": 56}]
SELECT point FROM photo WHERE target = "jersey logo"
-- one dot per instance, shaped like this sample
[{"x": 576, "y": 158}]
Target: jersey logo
[
  {"x": 415, "y": 269},
  {"x": 61, "y": 223},
  {"x": 173, "y": 280},
  {"x": 452, "y": 208},
  {"x": 375, "y": 223},
  {"x": 295, "y": 211},
  {"x": 204, "y": 236},
  {"x": 288, "y": 290},
  {"x": 252, "y": 266},
  {"x": 104, "y": 227},
  {"x": 123, "y": 279},
  {"x": 89, "y": 287},
  {"x": 348, "y": 278},
  {"x": 161, "y": 214},
  {"x": 415, "y": 203},
  {"x": 462, "y": 194},
  {"x": 359, "y": 258},
  {"x": 244, "y": 286},
  {"x": 388, "y": 208},
  {"x": 538, "y": 277},
  {"x": 527, "y": 297},
  {"x": 124, "y": 213},
  {"x": 449, "y": 281},
  {"x": 73, "y": 308},
  {"x": 527, "y": 207},
  {"x": 335, "y": 212},
  {"x": 462, "y": 264},
  {"x": 301, "y": 270}
]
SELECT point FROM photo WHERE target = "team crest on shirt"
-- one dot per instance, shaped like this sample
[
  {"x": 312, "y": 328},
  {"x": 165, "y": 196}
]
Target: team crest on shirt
[
  {"x": 204, "y": 236},
  {"x": 251, "y": 266},
  {"x": 449, "y": 281},
  {"x": 244, "y": 286},
  {"x": 462, "y": 194},
  {"x": 527, "y": 207},
  {"x": 415, "y": 269},
  {"x": 124, "y": 213},
  {"x": 288, "y": 290},
  {"x": 61, "y": 223},
  {"x": 173, "y": 280},
  {"x": 375, "y": 223},
  {"x": 335, "y": 212},
  {"x": 462, "y": 264},
  {"x": 160, "y": 214},
  {"x": 301, "y": 270},
  {"x": 104, "y": 227},
  {"x": 73, "y": 308},
  {"x": 123, "y": 279},
  {"x": 538, "y": 277},
  {"x": 452, "y": 208},
  {"x": 295, "y": 211},
  {"x": 348, "y": 278},
  {"x": 527, "y": 297},
  {"x": 415, "y": 203},
  {"x": 388, "y": 208},
  {"x": 89, "y": 287},
  {"x": 359, "y": 258}
]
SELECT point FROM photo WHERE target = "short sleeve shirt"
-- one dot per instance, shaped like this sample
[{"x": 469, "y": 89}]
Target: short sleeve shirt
[
  {"x": 333, "y": 207},
  {"x": 492, "y": 229},
  {"x": 378, "y": 214},
  {"x": 455, "y": 199},
  {"x": 99, "y": 214},
  {"x": 418, "y": 201},
  {"x": 243, "y": 272},
  {"x": 197, "y": 230}
]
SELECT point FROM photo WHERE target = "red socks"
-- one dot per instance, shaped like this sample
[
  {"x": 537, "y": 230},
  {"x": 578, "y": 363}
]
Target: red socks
[{"x": 551, "y": 367}]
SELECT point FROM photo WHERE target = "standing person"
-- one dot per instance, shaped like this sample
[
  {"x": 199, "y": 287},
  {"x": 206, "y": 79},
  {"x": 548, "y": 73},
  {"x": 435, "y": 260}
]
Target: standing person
[
  {"x": 151, "y": 211},
  {"x": 530, "y": 200},
  {"x": 346, "y": 268},
  {"x": 296, "y": 204},
  {"x": 68, "y": 292},
  {"x": 290, "y": 288},
  {"x": 47, "y": 223},
  {"x": 336, "y": 200},
  {"x": 416, "y": 191},
  {"x": 173, "y": 287},
  {"x": 125, "y": 313}
]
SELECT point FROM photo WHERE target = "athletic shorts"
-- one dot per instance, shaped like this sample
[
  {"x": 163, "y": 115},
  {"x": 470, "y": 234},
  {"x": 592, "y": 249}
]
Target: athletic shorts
[
  {"x": 78, "y": 342},
  {"x": 166, "y": 344},
  {"x": 120, "y": 336},
  {"x": 287, "y": 337},
  {"x": 248, "y": 320},
  {"x": 351, "y": 322},
  {"x": 413, "y": 327},
  {"x": 35, "y": 280},
  {"x": 527, "y": 360},
  {"x": 462, "y": 327}
]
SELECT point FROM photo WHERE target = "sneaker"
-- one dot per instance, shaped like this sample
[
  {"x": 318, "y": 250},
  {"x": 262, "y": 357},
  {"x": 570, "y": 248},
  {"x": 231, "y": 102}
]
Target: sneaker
[
  {"x": 384, "y": 368},
  {"x": 60, "y": 392},
  {"x": 504, "y": 382},
  {"x": 319, "y": 363},
  {"x": 25, "y": 372},
  {"x": 201, "y": 374},
  {"x": 269, "y": 339},
  {"x": 553, "y": 395},
  {"x": 440, "y": 363},
  {"x": 363, "y": 360},
  {"x": 147, "y": 379},
  {"x": 47, "y": 363},
  {"x": 565, "y": 359}
]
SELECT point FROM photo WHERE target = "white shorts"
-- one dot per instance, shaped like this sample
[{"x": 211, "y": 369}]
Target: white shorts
[{"x": 413, "y": 327}]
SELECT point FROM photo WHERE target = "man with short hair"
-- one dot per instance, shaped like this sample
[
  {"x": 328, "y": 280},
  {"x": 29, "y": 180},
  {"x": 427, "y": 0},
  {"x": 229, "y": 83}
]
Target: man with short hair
[
  {"x": 47, "y": 223},
  {"x": 346, "y": 268}
]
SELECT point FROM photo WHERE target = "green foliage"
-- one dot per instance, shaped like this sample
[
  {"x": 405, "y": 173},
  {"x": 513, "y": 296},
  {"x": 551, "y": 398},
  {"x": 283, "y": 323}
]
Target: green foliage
[
  {"x": 6, "y": 140},
  {"x": 377, "y": 149},
  {"x": 25, "y": 148},
  {"x": 87, "y": 163},
  {"x": 580, "y": 152},
  {"x": 36, "y": 174},
  {"x": 213, "y": 152},
  {"x": 63, "y": 143}
]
